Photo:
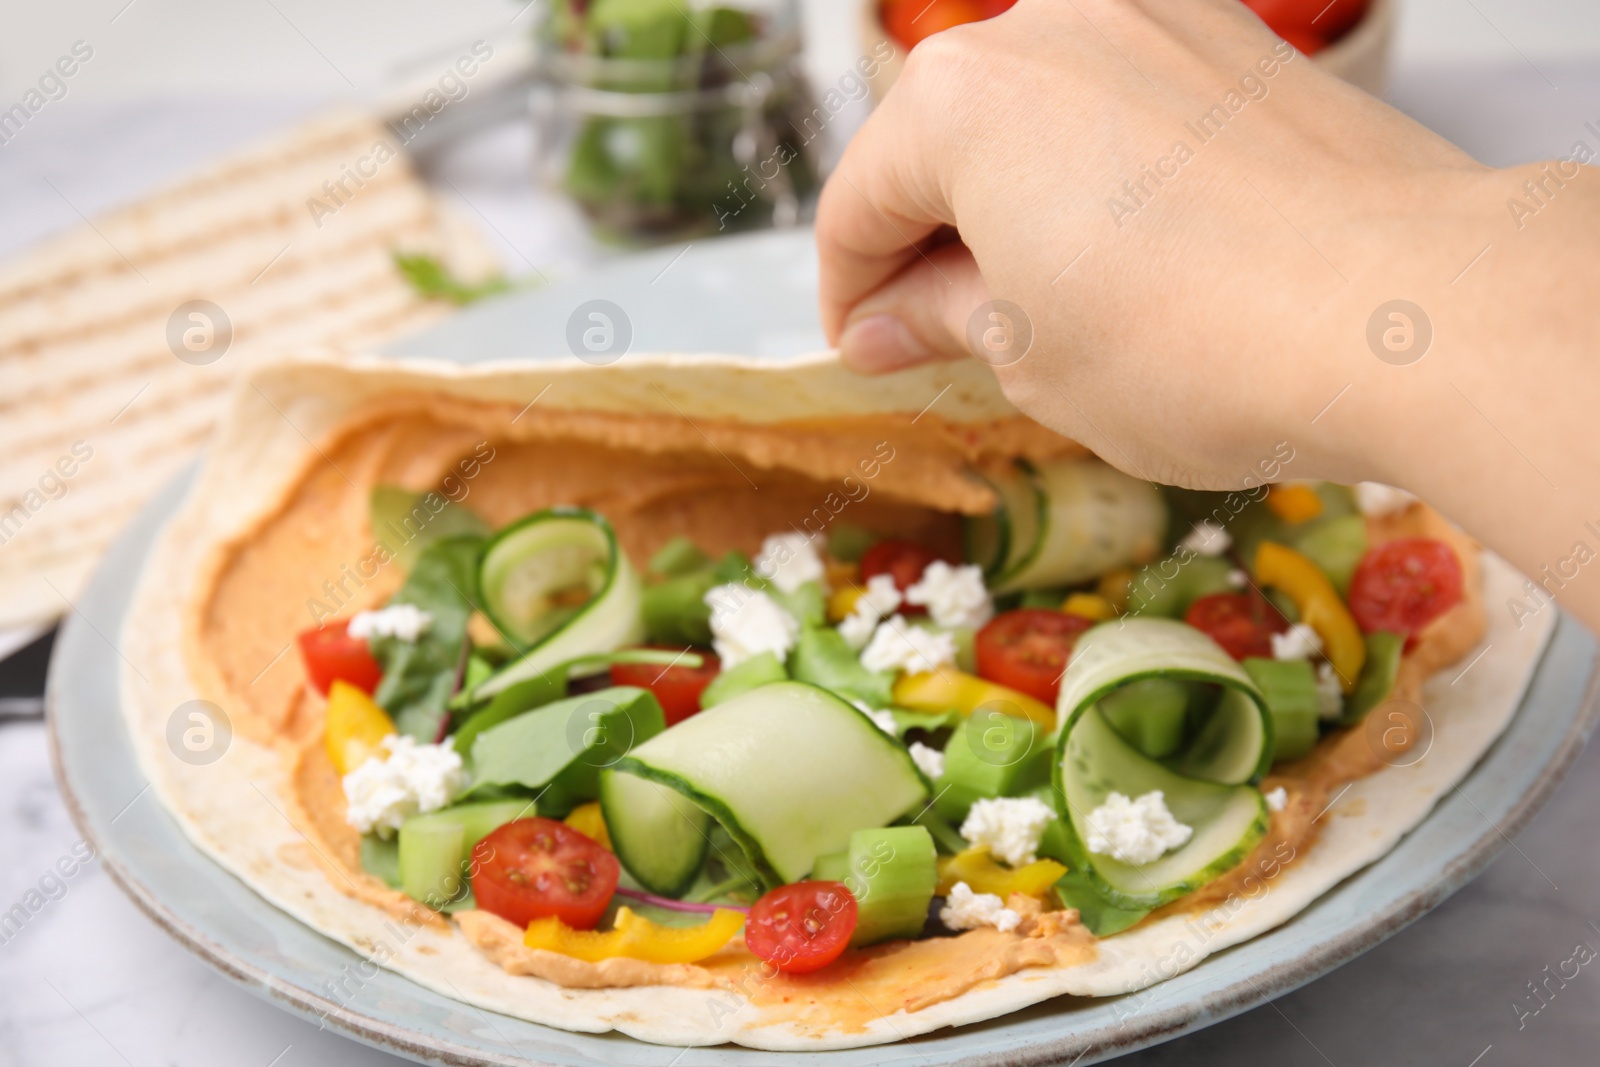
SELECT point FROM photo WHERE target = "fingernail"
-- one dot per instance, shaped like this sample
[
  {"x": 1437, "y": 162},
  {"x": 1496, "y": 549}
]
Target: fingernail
[{"x": 881, "y": 343}]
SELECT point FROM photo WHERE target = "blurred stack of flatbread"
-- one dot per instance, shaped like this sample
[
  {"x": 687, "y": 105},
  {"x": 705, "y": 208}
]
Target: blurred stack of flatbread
[{"x": 119, "y": 338}]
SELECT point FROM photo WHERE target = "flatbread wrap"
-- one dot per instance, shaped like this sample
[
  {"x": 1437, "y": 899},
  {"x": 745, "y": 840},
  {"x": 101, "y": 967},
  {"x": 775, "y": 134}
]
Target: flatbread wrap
[{"x": 718, "y": 700}]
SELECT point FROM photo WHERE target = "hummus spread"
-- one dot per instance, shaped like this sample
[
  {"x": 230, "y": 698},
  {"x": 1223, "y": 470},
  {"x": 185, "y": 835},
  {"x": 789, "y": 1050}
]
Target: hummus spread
[{"x": 311, "y": 555}]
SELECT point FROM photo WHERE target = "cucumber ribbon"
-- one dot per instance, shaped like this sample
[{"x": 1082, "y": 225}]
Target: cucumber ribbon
[
  {"x": 1207, "y": 782},
  {"x": 526, "y": 573},
  {"x": 789, "y": 770}
]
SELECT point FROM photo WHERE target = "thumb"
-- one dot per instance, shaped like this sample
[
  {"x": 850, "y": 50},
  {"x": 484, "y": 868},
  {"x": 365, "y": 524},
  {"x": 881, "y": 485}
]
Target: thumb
[{"x": 919, "y": 315}]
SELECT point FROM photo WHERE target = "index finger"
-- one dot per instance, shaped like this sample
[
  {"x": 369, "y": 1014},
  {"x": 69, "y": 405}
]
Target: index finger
[{"x": 884, "y": 201}]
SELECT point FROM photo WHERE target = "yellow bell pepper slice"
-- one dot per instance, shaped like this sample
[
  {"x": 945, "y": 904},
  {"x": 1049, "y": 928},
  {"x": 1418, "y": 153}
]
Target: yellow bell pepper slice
[
  {"x": 1320, "y": 607},
  {"x": 842, "y": 601},
  {"x": 588, "y": 820},
  {"x": 637, "y": 938},
  {"x": 948, "y": 689},
  {"x": 980, "y": 871},
  {"x": 1294, "y": 503},
  {"x": 354, "y": 727},
  {"x": 1089, "y": 605}
]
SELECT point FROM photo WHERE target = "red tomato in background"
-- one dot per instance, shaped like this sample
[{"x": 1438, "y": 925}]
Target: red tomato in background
[
  {"x": 1242, "y": 623},
  {"x": 991, "y": 8},
  {"x": 913, "y": 21},
  {"x": 802, "y": 927},
  {"x": 1309, "y": 21},
  {"x": 331, "y": 655},
  {"x": 1027, "y": 649},
  {"x": 677, "y": 688},
  {"x": 1404, "y": 584},
  {"x": 534, "y": 868},
  {"x": 1307, "y": 44},
  {"x": 902, "y": 560}
]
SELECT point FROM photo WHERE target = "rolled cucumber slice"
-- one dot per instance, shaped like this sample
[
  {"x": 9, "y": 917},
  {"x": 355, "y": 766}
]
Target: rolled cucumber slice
[
  {"x": 1227, "y": 820},
  {"x": 1095, "y": 519},
  {"x": 659, "y": 835},
  {"x": 551, "y": 552},
  {"x": 1007, "y": 539},
  {"x": 1122, "y": 651},
  {"x": 1205, "y": 783},
  {"x": 789, "y": 770}
]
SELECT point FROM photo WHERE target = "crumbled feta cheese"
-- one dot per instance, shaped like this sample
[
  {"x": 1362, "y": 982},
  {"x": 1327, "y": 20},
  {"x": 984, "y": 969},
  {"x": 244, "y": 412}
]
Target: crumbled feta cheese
[
  {"x": 965, "y": 910},
  {"x": 1134, "y": 831},
  {"x": 405, "y": 780},
  {"x": 1009, "y": 827},
  {"x": 899, "y": 646},
  {"x": 884, "y": 720},
  {"x": 405, "y": 621},
  {"x": 1330, "y": 694},
  {"x": 1238, "y": 579},
  {"x": 929, "y": 761},
  {"x": 1277, "y": 799},
  {"x": 879, "y": 598},
  {"x": 1299, "y": 642},
  {"x": 747, "y": 622},
  {"x": 789, "y": 561},
  {"x": 1377, "y": 500},
  {"x": 1206, "y": 539},
  {"x": 954, "y": 596}
]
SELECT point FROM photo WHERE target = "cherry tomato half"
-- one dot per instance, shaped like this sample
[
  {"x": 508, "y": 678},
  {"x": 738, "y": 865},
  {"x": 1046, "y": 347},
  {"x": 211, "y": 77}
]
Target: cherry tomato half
[
  {"x": 902, "y": 560},
  {"x": 1403, "y": 585},
  {"x": 331, "y": 655},
  {"x": 677, "y": 688},
  {"x": 1242, "y": 623},
  {"x": 912, "y": 21},
  {"x": 534, "y": 868},
  {"x": 801, "y": 927},
  {"x": 1027, "y": 649}
]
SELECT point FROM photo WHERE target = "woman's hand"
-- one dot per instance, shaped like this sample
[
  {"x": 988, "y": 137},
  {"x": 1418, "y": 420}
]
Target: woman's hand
[
  {"x": 1195, "y": 221},
  {"x": 1220, "y": 250}
]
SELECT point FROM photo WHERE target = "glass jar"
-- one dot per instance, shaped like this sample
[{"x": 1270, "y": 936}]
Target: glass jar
[{"x": 709, "y": 131}]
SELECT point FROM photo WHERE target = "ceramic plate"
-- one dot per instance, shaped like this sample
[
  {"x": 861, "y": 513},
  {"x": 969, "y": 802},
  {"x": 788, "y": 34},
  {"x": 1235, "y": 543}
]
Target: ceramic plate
[{"x": 753, "y": 295}]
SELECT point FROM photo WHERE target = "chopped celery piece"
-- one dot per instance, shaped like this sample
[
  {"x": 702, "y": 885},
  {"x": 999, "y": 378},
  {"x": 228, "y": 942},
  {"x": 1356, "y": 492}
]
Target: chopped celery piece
[
  {"x": 431, "y": 852},
  {"x": 1377, "y": 676},
  {"x": 821, "y": 657},
  {"x": 678, "y": 556},
  {"x": 434, "y": 849},
  {"x": 848, "y": 543},
  {"x": 758, "y": 670},
  {"x": 1336, "y": 546},
  {"x": 834, "y": 867},
  {"x": 991, "y": 755},
  {"x": 892, "y": 874},
  {"x": 1290, "y": 686},
  {"x": 1167, "y": 587},
  {"x": 1149, "y": 714}
]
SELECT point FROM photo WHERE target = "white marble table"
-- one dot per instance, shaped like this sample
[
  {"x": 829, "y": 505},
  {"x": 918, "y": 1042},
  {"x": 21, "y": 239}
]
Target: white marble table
[{"x": 87, "y": 980}]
